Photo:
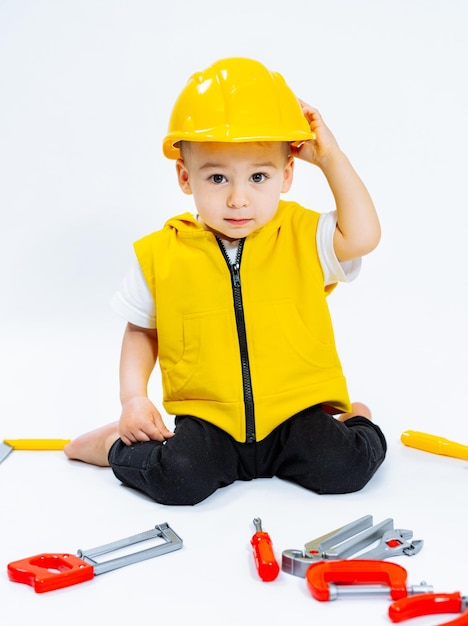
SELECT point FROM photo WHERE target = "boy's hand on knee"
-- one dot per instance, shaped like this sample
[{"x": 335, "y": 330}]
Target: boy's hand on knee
[{"x": 141, "y": 421}]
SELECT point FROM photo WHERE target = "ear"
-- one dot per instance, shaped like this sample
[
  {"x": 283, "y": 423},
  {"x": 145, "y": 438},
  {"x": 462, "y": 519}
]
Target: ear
[
  {"x": 183, "y": 177},
  {"x": 288, "y": 175}
]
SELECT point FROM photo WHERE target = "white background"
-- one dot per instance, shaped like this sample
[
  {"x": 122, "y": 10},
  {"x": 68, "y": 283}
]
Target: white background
[{"x": 86, "y": 89}]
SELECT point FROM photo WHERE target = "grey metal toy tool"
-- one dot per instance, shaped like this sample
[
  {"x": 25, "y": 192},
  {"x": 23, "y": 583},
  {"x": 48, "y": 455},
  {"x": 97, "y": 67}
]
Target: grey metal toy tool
[
  {"x": 350, "y": 540},
  {"x": 50, "y": 571},
  {"x": 171, "y": 540}
]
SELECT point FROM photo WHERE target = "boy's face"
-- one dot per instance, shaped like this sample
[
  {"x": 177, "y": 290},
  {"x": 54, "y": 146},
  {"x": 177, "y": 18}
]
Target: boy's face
[{"x": 236, "y": 186}]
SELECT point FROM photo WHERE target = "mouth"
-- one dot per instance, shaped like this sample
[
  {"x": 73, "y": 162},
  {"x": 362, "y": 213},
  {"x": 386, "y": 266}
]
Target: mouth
[{"x": 238, "y": 222}]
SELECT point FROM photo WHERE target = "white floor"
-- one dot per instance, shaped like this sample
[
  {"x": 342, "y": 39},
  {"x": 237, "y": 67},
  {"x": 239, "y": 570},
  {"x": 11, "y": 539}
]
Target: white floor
[
  {"x": 52, "y": 505},
  {"x": 49, "y": 504}
]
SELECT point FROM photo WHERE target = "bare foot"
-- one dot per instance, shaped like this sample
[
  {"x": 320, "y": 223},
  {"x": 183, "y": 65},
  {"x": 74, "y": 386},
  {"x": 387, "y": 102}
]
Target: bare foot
[
  {"x": 93, "y": 447},
  {"x": 358, "y": 408}
]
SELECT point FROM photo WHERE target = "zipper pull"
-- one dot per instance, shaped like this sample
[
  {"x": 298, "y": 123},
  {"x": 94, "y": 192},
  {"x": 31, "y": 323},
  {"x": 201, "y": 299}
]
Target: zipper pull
[{"x": 235, "y": 274}]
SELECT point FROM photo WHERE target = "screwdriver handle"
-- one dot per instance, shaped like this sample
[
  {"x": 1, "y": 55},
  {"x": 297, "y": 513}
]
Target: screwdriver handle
[
  {"x": 37, "y": 444},
  {"x": 434, "y": 444},
  {"x": 265, "y": 561},
  {"x": 425, "y": 604}
]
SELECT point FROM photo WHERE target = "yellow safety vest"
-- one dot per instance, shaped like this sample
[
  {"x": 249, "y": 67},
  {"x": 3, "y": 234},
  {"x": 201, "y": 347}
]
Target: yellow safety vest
[{"x": 245, "y": 348}]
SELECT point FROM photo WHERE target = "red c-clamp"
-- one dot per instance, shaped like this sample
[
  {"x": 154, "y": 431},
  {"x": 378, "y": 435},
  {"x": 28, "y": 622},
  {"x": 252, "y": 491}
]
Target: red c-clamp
[{"x": 329, "y": 579}]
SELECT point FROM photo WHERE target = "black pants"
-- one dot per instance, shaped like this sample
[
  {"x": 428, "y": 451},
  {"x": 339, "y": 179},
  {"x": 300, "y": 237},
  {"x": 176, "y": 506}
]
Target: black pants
[{"x": 311, "y": 449}]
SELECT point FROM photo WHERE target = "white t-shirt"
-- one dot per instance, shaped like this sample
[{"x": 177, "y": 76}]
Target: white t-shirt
[{"x": 134, "y": 302}]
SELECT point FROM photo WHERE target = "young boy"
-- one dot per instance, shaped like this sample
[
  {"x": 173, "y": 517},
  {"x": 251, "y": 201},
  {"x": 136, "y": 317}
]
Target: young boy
[{"x": 232, "y": 302}]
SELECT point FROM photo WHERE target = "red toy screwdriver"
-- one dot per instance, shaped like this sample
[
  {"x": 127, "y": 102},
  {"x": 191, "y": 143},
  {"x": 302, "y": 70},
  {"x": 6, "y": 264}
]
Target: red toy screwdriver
[{"x": 267, "y": 566}]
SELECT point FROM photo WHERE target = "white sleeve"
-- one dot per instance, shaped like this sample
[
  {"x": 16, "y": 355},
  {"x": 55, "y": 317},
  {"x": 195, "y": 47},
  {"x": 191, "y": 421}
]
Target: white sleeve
[
  {"x": 133, "y": 301},
  {"x": 333, "y": 270}
]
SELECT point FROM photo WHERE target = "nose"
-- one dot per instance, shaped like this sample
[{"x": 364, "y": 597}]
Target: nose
[{"x": 237, "y": 198}]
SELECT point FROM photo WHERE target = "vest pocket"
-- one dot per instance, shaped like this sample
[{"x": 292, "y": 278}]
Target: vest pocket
[
  {"x": 209, "y": 363},
  {"x": 307, "y": 353}
]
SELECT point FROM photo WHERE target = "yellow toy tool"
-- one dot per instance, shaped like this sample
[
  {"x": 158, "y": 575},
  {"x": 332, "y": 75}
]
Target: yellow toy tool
[
  {"x": 434, "y": 444},
  {"x": 8, "y": 445}
]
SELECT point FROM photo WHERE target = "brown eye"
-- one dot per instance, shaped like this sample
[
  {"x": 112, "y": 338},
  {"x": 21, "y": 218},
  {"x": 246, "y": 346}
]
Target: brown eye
[
  {"x": 217, "y": 179},
  {"x": 258, "y": 178}
]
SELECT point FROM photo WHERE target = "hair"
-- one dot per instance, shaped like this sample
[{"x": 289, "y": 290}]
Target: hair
[{"x": 184, "y": 147}]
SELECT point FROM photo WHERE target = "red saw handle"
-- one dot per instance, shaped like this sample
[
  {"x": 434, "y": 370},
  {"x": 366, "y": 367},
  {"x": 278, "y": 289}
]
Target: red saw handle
[
  {"x": 47, "y": 572},
  {"x": 355, "y": 572},
  {"x": 427, "y": 604}
]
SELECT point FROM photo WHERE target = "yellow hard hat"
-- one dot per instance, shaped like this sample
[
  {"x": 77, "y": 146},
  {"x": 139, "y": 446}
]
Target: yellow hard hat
[{"x": 236, "y": 100}]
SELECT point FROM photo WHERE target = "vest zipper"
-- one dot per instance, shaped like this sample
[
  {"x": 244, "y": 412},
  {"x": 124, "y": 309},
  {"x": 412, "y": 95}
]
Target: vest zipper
[{"x": 234, "y": 269}]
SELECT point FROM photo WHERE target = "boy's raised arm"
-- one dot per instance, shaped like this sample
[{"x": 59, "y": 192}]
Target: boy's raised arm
[{"x": 358, "y": 228}]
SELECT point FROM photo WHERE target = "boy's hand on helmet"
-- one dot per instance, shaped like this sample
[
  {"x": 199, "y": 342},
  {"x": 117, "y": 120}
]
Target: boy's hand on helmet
[
  {"x": 317, "y": 150},
  {"x": 141, "y": 421}
]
